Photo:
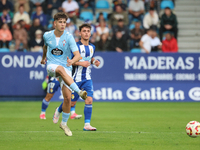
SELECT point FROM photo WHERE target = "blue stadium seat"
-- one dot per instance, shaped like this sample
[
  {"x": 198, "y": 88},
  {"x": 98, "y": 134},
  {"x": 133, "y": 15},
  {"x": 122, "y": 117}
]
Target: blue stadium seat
[
  {"x": 132, "y": 26},
  {"x": 86, "y": 15},
  {"x": 102, "y": 4},
  {"x": 4, "y": 50},
  {"x": 167, "y": 3},
  {"x": 105, "y": 15},
  {"x": 135, "y": 50}
]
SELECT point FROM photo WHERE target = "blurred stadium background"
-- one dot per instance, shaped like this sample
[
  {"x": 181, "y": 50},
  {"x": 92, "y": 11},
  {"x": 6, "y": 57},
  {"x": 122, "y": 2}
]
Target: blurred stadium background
[{"x": 141, "y": 100}]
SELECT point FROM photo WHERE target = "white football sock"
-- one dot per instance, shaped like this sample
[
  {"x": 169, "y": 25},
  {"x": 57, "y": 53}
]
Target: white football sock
[
  {"x": 87, "y": 124},
  {"x": 72, "y": 112},
  {"x": 64, "y": 123},
  {"x": 42, "y": 112}
]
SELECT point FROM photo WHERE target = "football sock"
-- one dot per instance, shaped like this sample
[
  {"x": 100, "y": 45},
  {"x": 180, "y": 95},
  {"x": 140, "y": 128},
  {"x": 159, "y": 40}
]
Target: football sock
[
  {"x": 45, "y": 104},
  {"x": 88, "y": 113},
  {"x": 74, "y": 87},
  {"x": 65, "y": 117},
  {"x": 72, "y": 109},
  {"x": 60, "y": 108}
]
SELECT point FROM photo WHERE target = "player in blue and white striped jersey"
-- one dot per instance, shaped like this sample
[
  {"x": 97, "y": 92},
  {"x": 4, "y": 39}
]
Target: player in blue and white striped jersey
[
  {"x": 52, "y": 87},
  {"x": 82, "y": 76}
]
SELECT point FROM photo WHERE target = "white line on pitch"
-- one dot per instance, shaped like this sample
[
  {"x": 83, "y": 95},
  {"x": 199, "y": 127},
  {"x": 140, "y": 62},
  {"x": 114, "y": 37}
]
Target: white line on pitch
[{"x": 94, "y": 132}]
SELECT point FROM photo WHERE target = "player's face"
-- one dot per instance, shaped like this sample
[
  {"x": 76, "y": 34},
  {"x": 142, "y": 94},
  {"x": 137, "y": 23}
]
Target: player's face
[
  {"x": 60, "y": 24},
  {"x": 85, "y": 33}
]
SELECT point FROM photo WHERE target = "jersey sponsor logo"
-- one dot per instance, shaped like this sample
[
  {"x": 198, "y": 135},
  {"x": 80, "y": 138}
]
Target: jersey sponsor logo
[
  {"x": 86, "y": 58},
  {"x": 56, "y": 52}
]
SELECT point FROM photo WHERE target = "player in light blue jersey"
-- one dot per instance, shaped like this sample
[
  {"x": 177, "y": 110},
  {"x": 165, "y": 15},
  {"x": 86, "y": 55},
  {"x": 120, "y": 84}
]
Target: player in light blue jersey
[
  {"x": 58, "y": 47},
  {"x": 82, "y": 76}
]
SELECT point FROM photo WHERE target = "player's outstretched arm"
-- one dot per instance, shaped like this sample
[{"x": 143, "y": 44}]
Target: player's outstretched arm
[
  {"x": 43, "y": 61},
  {"x": 82, "y": 63}
]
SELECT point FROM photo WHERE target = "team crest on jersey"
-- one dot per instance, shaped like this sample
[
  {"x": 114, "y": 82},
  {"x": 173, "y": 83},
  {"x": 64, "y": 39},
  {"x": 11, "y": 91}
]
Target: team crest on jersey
[
  {"x": 64, "y": 42},
  {"x": 72, "y": 96},
  {"x": 91, "y": 50},
  {"x": 51, "y": 90}
]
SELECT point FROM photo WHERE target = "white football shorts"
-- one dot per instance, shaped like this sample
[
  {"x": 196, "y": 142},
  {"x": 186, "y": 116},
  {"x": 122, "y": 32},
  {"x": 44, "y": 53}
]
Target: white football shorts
[{"x": 51, "y": 70}]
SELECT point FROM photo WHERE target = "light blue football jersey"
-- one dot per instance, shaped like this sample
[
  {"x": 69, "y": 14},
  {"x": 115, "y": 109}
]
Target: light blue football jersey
[
  {"x": 87, "y": 53},
  {"x": 57, "y": 54}
]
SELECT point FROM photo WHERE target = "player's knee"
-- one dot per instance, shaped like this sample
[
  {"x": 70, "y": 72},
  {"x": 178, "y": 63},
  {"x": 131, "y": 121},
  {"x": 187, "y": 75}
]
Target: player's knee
[
  {"x": 89, "y": 100},
  {"x": 48, "y": 97},
  {"x": 67, "y": 101},
  {"x": 67, "y": 98}
]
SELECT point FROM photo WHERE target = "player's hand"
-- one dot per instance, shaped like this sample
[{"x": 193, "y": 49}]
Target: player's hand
[
  {"x": 85, "y": 63},
  {"x": 69, "y": 62},
  {"x": 43, "y": 61},
  {"x": 119, "y": 50},
  {"x": 97, "y": 63}
]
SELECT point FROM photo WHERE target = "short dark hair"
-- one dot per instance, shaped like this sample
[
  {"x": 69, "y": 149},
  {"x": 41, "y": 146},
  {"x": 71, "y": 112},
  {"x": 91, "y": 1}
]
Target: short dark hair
[
  {"x": 60, "y": 15},
  {"x": 121, "y": 20},
  {"x": 167, "y": 8},
  {"x": 5, "y": 9},
  {"x": 84, "y": 25},
  {"x": 150, "y": 29},
  {"x": 21, "y": 5},
  {"x": 118, "y": 5},
  {"x": 151, "y": 8}
]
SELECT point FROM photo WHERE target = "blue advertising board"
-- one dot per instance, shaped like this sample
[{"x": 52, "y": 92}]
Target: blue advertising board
[
  {"x": 21, "y": 74},
  {"x": 120, "y": 77}
]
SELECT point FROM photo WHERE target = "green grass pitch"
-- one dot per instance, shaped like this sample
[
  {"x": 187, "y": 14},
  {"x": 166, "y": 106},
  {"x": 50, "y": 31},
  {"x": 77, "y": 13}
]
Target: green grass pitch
[{"x": 120, "y": 126}]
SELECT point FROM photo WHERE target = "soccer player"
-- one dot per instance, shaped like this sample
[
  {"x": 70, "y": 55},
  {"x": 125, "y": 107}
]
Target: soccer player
[
  {"x": 52, "y": 87},
  {"x": 82, "y": 76},
  {"x": 58, "y": 47}
]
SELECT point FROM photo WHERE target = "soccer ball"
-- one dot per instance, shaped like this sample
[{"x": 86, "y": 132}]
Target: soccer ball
[{"x": 193, "y": 128}]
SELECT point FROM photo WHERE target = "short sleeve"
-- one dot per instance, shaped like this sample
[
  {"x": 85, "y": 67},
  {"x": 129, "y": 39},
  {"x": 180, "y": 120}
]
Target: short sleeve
[
  {"x": 72, "y": 44},
  {"x": 143, "y": 38},
  {"x": 94, "y": 50},
  {"x": 76, "y": 5},
  {"x": 142, "y": 5},
  {"x": 106, "y": 30},
  {"x": 158, "y": 40},
  {"x": 130, "y": 5}
]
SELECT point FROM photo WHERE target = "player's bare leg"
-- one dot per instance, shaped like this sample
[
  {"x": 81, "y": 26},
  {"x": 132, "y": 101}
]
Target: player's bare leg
[
  {"x": 48, "y": 97},
  {"x": 66, "y": 110},
  {"x": 88, "y": 114},
  {"x": 70, "y": 82},
  {"x": 45, "y": 104}
]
